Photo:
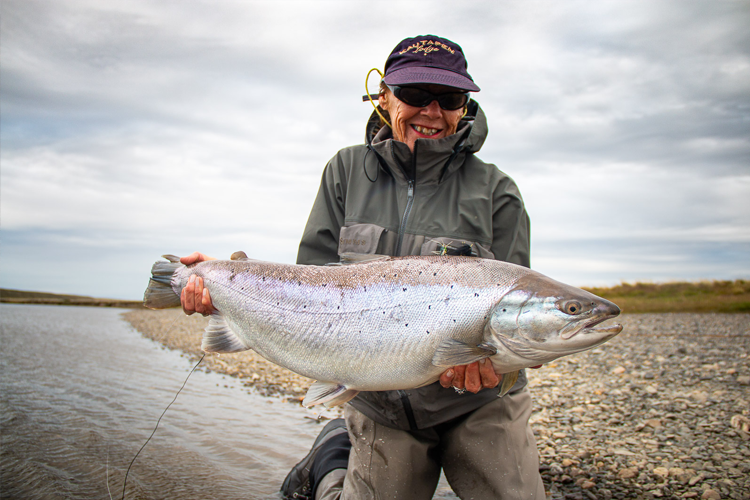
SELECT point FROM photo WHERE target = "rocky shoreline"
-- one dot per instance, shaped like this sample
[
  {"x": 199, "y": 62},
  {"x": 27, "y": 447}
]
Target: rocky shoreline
[{"x": 661, "y": 411}]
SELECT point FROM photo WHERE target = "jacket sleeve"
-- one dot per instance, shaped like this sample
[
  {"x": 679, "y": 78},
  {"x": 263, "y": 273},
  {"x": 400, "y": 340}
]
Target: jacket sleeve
[
  {"x": 510, "y": 225},
  {"x": 320, "y": 240}
]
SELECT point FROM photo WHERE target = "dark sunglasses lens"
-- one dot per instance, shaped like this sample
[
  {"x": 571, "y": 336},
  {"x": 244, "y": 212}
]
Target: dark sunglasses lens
[
  {"x": 420, "y": 98},
  {"x": 452, "y": 101},
  {"x": 414, "y": 97}
]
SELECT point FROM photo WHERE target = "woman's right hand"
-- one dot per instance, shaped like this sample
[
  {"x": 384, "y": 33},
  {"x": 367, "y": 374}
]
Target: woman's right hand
[{"x": 194, "y": 297}]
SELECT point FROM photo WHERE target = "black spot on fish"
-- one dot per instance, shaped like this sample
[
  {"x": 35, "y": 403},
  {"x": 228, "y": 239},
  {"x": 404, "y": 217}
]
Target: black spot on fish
[
  {"x": 304, "y": 307},
  {"x": 404, "y": 289},
  {"x": 451, "y": 286},
  {"x": 429, "y": 307},
  {"x": 407, "y": 324},
  {"x": 454, "y": 320},
  {"x": 476, "y": 294},
  {"x": 434, "y": 274}
]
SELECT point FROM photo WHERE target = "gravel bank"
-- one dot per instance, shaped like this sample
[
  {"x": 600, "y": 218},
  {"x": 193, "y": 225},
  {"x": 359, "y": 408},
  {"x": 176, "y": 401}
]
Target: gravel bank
[{"x": 661, "y": 411}]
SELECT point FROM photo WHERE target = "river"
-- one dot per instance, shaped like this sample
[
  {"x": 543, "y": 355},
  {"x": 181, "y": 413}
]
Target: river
[{"x": 81, "y": 391}]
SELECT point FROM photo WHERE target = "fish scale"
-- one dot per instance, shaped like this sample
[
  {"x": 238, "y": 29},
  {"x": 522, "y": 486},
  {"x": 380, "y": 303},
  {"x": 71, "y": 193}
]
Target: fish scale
[{"x": 382, "y": 324}]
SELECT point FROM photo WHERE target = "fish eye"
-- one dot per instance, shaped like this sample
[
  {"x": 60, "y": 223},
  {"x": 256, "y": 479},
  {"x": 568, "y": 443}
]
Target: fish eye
[{"x": 572, "y": 307}]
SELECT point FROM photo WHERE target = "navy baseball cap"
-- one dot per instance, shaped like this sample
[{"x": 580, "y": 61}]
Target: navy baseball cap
[{"x": 428, "y": 59}]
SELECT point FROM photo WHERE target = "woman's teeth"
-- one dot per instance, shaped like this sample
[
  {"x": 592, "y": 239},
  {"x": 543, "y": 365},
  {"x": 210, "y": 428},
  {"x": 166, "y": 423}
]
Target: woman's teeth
[{"x": 425, "y": 130}]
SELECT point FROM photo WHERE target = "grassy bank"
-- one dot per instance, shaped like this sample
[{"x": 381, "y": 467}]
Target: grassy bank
[
  {"x": 703, "y": 296},
  {"x": 26, "y": 297}
]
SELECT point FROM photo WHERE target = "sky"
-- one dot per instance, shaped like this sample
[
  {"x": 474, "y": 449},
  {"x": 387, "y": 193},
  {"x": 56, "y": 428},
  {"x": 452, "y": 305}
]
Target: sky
[{"x": 131, "y": 129}]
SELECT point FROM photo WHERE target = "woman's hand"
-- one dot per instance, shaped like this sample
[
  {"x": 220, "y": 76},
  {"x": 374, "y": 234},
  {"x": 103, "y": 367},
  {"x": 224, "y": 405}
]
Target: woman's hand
[
  {"x": 473, "y": 377},
  {"x": 194, "y": 297}
]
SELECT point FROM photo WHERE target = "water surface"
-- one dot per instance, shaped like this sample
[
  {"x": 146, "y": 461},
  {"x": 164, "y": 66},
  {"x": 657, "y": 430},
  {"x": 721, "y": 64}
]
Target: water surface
[{"x": 81, "y": 392}]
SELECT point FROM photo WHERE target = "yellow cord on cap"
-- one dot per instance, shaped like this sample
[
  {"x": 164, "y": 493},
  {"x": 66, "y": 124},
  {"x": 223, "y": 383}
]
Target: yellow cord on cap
[{"x": 367, "y": 92}]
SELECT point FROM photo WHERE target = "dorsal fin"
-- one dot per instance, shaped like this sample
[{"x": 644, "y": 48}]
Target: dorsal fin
[
  {"x": 239, "y": 255},
  {"x": 172, "y": 258}
]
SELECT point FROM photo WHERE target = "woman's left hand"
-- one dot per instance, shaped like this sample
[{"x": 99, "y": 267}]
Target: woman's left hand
[{"x": 473, "y": 377}]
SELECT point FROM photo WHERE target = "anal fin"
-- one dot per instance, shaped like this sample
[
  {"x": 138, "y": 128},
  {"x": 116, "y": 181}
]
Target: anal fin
[{"x": 219, "y": 337}]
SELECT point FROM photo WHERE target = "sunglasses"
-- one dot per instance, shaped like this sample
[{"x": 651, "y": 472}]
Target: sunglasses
[{"x": 419, "y": 98}]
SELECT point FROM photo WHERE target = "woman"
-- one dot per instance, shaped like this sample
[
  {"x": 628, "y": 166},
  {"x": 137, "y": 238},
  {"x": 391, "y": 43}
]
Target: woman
[{"x": 416, "y": 188}]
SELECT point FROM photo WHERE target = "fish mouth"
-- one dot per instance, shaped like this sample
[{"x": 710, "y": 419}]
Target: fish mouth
[{"x": 588, "y": 328}]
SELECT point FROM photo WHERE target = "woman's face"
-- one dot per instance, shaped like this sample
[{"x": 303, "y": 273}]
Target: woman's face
[{"x": 430, "y": 122}]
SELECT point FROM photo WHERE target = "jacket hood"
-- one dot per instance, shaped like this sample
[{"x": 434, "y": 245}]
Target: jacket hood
[{"x": 433, "y": 159}]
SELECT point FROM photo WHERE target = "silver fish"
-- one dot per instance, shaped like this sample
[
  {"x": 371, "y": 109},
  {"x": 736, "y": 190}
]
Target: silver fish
[{"x": 387, "y": 323}]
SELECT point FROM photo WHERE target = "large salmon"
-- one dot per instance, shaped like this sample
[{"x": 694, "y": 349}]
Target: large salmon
[{"x": 388, "y": 323}]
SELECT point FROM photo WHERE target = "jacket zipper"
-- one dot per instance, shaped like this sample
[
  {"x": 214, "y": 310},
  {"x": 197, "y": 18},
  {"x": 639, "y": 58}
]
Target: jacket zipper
[
  {"x": 409, "y": 200},
  {"x": 402, "y": 227}
]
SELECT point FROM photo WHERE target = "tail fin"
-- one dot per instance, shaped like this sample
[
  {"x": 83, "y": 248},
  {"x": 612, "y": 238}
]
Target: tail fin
[{"x": 159, "y": 294}]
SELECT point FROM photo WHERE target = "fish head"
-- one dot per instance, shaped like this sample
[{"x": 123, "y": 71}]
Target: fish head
[{"x": 541, "y": 319}]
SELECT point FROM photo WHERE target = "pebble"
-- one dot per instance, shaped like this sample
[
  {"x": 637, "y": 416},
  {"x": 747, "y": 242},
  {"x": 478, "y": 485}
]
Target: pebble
[{"x": 710, "y": 495}]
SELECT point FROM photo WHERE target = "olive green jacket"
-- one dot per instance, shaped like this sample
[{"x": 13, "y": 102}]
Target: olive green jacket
[{"x": 379, "y": 198}]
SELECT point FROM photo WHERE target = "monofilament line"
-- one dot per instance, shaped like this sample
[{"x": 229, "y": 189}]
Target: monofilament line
[{"x": 125, "y": 481}]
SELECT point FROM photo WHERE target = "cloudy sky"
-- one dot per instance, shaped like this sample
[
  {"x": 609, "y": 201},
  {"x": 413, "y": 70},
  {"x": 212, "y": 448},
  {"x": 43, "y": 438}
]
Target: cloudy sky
[{"x": 130, "y": 129}]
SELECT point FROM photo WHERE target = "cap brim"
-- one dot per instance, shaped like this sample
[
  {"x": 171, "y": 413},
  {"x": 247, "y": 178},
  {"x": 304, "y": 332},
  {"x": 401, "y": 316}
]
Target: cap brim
[{"x": 425, "y": 74}]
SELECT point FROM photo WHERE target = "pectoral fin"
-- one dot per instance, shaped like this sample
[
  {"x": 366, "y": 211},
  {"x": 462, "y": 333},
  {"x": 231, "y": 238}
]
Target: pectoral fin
[
  {"x": 454, "y": 353},
  {"x": 219, "y": 337},
  {"x": 328, "y": 393}
]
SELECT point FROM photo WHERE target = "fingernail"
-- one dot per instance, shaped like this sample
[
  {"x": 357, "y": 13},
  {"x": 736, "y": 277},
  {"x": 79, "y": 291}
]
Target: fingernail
[
  {"x": 205, "y": 292},
  {"x": 483, "y": 361},
  {"x": 449, "y": 373},
  {"x": 192, "y": 279}
]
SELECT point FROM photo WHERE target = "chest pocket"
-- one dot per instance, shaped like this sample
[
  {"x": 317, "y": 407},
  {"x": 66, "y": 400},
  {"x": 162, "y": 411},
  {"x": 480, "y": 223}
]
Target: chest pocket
[{"x": 362, "y": 238}]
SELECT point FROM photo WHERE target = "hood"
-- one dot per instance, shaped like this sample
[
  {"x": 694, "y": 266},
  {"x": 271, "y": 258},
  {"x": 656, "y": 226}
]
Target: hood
[{"x": 433, "y": 159}]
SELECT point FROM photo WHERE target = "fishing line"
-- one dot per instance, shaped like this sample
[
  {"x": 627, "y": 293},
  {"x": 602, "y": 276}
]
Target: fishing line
[
  {"x": 159, "y": 339},
  {"x": 125, "y": 482}
]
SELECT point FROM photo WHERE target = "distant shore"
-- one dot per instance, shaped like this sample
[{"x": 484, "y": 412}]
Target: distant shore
[{"x": 54, "y": 299}]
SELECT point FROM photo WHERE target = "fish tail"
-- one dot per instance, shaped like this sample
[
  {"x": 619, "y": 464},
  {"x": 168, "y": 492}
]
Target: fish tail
[{"x": 160, "y": 294}]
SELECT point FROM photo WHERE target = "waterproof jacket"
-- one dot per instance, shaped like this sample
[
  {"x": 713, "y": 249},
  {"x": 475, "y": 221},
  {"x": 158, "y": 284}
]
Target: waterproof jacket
[{"x": 380, "y": 198}]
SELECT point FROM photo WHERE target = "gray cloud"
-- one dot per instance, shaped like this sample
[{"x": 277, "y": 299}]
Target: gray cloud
[{"x": 131, "y": 129}]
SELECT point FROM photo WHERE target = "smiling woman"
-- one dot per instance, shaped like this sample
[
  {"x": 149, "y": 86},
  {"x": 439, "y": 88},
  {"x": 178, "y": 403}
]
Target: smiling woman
[{"x": 417, "y": 188}]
